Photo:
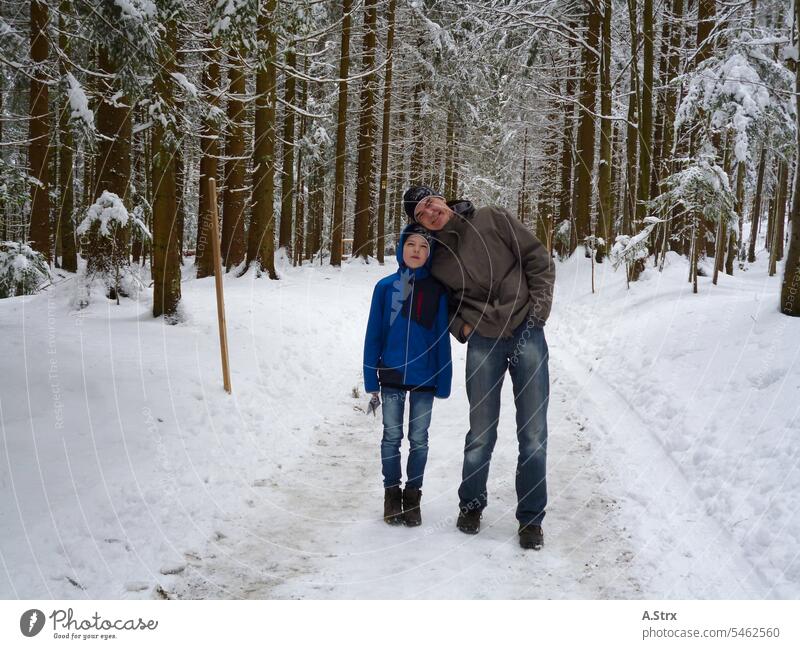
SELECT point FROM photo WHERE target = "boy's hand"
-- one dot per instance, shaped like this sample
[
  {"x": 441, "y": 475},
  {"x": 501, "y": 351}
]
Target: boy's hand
[
  {"x": 374, "y": 403},
  {"x": 466, "y": 330}
]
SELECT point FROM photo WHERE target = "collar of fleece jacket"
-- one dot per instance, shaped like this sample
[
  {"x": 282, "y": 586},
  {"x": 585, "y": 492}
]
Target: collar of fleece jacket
[{"x": 417, "y": 273}]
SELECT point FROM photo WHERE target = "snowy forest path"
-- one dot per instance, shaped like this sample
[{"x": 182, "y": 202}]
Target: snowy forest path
[{"x": 318, "y": 533}]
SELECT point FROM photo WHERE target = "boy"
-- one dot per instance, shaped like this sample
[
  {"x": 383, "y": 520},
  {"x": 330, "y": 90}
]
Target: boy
[{"x": 407, "y": 352}]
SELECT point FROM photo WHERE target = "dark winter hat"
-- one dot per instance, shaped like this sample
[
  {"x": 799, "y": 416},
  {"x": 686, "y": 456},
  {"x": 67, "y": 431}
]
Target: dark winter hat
[
  {"x": 416, "y": 228},
  {"x": 413, "y": 196}
]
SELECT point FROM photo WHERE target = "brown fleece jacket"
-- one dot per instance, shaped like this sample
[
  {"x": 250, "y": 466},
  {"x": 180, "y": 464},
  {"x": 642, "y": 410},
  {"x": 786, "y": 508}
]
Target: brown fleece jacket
[{"x": 496, "y": 271}]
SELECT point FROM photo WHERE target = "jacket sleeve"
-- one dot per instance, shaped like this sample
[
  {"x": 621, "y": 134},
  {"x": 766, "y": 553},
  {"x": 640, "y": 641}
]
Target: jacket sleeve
[
  {"x": 373, "y": 341},
  {"x": 456, "y": 323},
  {"x": 537, "y": 264},
  {"x": 444, "y": 365}
]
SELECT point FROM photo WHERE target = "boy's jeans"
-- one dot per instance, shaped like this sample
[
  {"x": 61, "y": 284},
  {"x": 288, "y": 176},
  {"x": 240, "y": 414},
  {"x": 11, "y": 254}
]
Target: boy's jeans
[
  {"x": 394, "y": 402},
  {"x": 525, "y": 356}
]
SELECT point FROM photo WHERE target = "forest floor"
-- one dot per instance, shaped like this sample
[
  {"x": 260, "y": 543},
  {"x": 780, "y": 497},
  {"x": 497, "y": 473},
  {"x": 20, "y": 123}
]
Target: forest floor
[{"x": 674, "y": 442}]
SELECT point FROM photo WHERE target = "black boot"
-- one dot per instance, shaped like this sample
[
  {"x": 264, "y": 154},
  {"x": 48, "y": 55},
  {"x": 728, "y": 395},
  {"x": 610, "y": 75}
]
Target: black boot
[
  {"x": 531, "y": 536},
  {"x": 469, "y": 521},
  {"x": 411, "y": 510},
  {"x": 393, "y": 506}
]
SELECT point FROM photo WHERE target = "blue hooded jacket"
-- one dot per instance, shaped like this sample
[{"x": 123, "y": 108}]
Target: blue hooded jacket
[{"x": 407, "y": 341}]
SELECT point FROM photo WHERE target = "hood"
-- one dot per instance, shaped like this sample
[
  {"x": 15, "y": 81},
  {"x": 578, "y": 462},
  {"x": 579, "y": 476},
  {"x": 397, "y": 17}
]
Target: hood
[
  {"x": 422, "y": 271},
  {"x": 462, "y": 208},
  {"x": 464, "y": 212}
]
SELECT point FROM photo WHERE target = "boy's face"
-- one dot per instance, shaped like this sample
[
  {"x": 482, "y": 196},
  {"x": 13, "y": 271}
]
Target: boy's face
[{"x": 415, "y": 251}]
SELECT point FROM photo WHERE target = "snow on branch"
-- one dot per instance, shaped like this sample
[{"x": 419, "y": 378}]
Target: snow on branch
[{"x": 79, "y": 103}]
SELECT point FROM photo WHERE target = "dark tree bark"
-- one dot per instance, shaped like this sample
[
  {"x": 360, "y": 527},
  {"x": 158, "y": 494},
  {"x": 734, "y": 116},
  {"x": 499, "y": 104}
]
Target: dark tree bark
[
  {"x": 113, "y": 162},
  {"x": 287, "y": 171},
  {"x": 631, "y": 136},
  {"x": 584, "y": 165},
  {"x": 605, "y": 190},
  {"x": 39, "y": 132},
  {"x": 387, "y": 125},
  {"x": 341, "y": 138},
  {"x": 362, "y": 244},
  {"x": 450, "y": 146},
  {"x": 166, "y": 250},
  {"x": 756, "y": 213},
  {"x": 567, "y": 147},
  {"x": 300, "y": 191},
  {"x": 261, "y": 243},
  {"x": 779, "y": 216},
  {"x": 415, "y": 170},
  {"x": 209, "y": 137},
  {"x": 645, "y": 127},
  {"x": 790, "y": 288},
  {"x": 66, "y": 162},
  {"x": 233, "y": 241}
]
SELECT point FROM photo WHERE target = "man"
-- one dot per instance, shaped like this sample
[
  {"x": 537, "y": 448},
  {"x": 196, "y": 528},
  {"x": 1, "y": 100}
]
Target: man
[{"x": 500, "y": 279}]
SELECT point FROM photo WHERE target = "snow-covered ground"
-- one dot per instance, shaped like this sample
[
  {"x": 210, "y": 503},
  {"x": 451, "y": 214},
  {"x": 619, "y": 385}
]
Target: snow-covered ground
[{"x": 127, "y": 472}]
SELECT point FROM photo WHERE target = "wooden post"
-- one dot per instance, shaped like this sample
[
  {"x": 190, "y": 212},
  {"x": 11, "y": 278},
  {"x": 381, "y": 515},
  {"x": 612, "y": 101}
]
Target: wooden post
[{"x": 223, "y": 331}]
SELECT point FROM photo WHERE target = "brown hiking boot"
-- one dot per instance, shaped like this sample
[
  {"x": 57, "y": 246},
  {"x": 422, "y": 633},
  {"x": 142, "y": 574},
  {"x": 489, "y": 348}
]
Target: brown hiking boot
[
  {"x": 393, "y": 506},
  {"x": 531, "y": 536},
  {"x": 412, "y": 514}
]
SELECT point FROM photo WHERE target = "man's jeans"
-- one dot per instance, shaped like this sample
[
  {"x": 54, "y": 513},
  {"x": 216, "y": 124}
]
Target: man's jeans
[
  {"x": 525, "y": 356},
  {"x": 394, "y": 402}
]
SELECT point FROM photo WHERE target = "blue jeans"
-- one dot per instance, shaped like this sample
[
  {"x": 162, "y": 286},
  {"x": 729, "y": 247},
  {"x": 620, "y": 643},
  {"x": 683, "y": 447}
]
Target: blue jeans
[
  {"x": 525, "y": 356},
  {"x": 394, "y": 402}
]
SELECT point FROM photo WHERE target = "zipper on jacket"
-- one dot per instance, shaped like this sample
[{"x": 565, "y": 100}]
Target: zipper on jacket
[{"x": 408, "y": 326}]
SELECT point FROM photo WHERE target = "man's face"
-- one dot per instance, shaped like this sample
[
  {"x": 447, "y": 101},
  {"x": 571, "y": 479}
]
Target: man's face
[{"x": 432, "y": 213}]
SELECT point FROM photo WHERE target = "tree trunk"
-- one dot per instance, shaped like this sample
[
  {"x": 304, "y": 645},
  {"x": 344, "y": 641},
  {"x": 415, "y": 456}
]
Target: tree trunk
[
  {"x": 790, "y": 288},
  {"x": 755, "y": 216},
  {"x": 781, "y": 221},
  {"x": 113, "y": 162},
  {"x": 778, "y": 218},
  {"x": 659, "y": 106},
  {"x": 547, "y": 195},
  {"x": 287, "y": 159},
  {"x": 316, "y": 199},
  {"x": 632, "y": 135},
  {"x": 39, "y": 132},
  {"x": 586, "y": 126},
  {"x": 387, "y": 125},
  {"x": 209, "y": 143},
  {"x": 722, "y": 229},
  {"x": 366, "y": 137},
  {"x": 261, "y": 242},
  {"x": 337, "y": 223},
  {"x": 66, "y": 163},
  {"x": 605, "y": 190},
  {"x": 449, "y": 160},
  {"x": 233, "y": 241},
  {"x": 567, "y": 147},
  {"x": 521, "y": 198},
  {"x": 180, "y": 162},
  {"x": 166, "y": 251},
  {"x": 399, "y": 167},
  {"x": 415, "y": 170},
  {"x": 300, "y": 193},
  {"x": 139, "y": 175},
  {"x": 645, "y": 127}
]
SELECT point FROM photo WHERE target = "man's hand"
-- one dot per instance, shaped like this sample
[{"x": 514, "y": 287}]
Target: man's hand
[
  {"x": 466, "y": 330},
  {"x": 374, "y": 404}
]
